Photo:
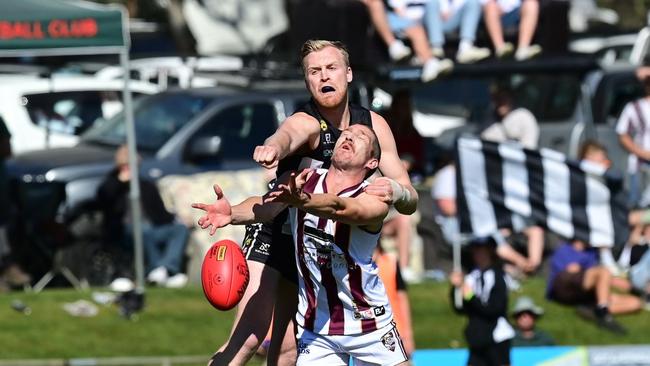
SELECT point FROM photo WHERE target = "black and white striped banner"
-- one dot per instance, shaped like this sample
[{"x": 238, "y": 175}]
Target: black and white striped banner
[{"x": 575, "y": 200}]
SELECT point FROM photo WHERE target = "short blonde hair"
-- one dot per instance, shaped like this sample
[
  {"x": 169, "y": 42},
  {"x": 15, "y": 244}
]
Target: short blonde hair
[{"x": 315, "y": 45}]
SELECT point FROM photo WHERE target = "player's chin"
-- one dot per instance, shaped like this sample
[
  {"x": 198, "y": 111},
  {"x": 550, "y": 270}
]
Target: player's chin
[{"x": 329, "y": 100}]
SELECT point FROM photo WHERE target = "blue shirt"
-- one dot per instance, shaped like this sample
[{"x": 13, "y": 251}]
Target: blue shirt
[{"x": 566, "y": 254}]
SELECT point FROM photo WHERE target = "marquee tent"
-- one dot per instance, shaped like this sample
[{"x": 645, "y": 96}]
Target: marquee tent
[{"x": 74, "y": 27}]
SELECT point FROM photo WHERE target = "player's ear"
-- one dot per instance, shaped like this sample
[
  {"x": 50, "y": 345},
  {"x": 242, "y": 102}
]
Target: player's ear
[
  {"x": 372, "y": 164},
  {"x": 349, "y": 74}
]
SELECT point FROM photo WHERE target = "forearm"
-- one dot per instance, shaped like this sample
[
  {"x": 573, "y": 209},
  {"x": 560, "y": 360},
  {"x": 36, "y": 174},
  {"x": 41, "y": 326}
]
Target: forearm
[
  {"x": 253, "y": 210},
  {"x": 409, "y": 203},
  {"x": 281, "y": 140},
  {"x": 629, "y": 145},
  {"x": 345, "y": 210}
]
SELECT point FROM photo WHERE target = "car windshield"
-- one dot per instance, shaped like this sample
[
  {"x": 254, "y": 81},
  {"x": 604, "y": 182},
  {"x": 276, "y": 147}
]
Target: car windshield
[
  {"x": 157, "y": 119},
  {"x": 549, "y": 98}
]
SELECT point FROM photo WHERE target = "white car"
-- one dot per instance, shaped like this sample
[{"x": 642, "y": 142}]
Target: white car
[{"x": 49, "y": 112}]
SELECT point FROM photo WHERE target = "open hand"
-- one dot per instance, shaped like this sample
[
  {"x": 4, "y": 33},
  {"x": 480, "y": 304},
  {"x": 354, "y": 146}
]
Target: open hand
[
  {"x": 217, "y": 215},
  {"x": 291, "y": 193}
]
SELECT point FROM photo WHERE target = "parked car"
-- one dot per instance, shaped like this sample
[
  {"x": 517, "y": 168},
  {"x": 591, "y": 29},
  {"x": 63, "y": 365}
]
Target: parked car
[
  {"x": 42, "y": 112},
  {"x": 178, "y": 131}
]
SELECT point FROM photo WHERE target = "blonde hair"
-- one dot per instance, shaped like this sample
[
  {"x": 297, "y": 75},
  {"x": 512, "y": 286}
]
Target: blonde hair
[{"x": 315, "y": 45}]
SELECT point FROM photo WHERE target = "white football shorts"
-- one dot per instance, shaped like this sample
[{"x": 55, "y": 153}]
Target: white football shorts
[{"x": 382, "y": 347}]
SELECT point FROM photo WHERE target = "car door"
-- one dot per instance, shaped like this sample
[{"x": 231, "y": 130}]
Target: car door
[{"x": 226, "y": 139}]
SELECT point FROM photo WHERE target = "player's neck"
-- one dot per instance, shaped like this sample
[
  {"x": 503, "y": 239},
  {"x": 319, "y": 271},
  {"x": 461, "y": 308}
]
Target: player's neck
[
  {"x": 338, "y": 179},
  {"x": 338, "y": 115}
]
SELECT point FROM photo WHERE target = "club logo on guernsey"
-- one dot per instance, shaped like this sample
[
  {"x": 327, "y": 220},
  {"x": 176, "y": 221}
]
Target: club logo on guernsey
[
  {"x": 388, "y": 340},
  {"x": 303, "y": 348},
  {"x": 323, "y": 125},
  {"x": 221, "y": 253}
]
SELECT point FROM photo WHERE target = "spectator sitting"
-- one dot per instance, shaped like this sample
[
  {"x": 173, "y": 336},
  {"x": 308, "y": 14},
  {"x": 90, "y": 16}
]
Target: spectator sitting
[
  {"x": 500, "y": 14},
  {"x": 406, "y": 17},
  {"x": 593, "y": 152},
  {"x": 445, "y": 16},
  {"x": 636, "y": 259},
  {"x": 526, "y": 314},
  {"x": 516, "y": 124},
  {"x": 12, "y": 274},
  {"x": 512, "y": 123},
  {"x": 163, "y": 238},
  {"x": 444, "y": 195},
  {"x": 485, "y": 302},
  {"x": 397, "y": 50},
  {"x": 576, "y": 278}
]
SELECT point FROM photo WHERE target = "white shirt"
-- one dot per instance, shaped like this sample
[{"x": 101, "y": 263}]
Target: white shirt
[
  {"x": 518, "y": 125},
  {"x": 505, "y": 5},
  {"x": 635, "y": 122},
  {"x": 444, "y": 185}
]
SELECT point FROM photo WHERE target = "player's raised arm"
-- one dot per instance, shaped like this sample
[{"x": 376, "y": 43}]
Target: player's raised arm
[
  {"x": 296, "y": 131},
  {"x": 395, "y": 186}
]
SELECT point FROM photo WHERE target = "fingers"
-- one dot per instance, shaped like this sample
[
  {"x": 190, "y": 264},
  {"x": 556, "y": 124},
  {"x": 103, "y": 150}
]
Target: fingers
[
  {"x": 218, "y": 191},
  {"x": 213, "y": 230},
  {"x": 267, "y": 156},
  {"x": 292, "y": 183},
  {"x": 200, "y": 206}
]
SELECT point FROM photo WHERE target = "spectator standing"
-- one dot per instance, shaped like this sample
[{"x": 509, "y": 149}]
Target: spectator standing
[
  {"x": 445, "y": 16},
  {"x": 576, "y": 278},
  {"x": 485, "y": 302},
  {"x": 526, "y": 314},
  {"x": 406, "y": 17},
  {"x": 633, "y": 128},
  {"x": 12, "y": 274},
  {"x": 163, "y": 237},
  {"x": 500, "y": 14}
]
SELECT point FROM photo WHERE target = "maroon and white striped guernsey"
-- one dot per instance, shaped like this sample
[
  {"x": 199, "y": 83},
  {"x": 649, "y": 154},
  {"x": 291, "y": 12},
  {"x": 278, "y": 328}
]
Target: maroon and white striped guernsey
[{"x": 340, "y": 289}]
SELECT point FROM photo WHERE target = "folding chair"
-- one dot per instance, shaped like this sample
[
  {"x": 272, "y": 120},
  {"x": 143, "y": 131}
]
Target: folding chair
[{"x": 39, "y": 221}]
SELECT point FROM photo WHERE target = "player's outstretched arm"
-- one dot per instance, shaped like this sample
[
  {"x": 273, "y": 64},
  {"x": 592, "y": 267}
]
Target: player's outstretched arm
[
  {"x": 220, "y": 213},
  {"x": 363, "y": 210},
  {"x": 395, "y": 187},
  {"x": 293, "y": 133}
]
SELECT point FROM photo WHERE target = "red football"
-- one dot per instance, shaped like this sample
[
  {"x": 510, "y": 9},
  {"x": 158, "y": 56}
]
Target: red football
[{"x": 224, "y": 274}]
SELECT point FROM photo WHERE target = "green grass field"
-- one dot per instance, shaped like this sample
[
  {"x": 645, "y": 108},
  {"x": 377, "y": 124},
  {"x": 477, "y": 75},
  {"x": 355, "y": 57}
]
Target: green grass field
[{"x": 181, "y": 322}]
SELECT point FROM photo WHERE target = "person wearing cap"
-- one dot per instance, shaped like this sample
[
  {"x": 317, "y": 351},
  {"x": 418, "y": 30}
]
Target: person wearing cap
[
  {"x": 485, "y": 302},
  {"x": 525, "y": 314},
  {"x": 633, "y": 129}
]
